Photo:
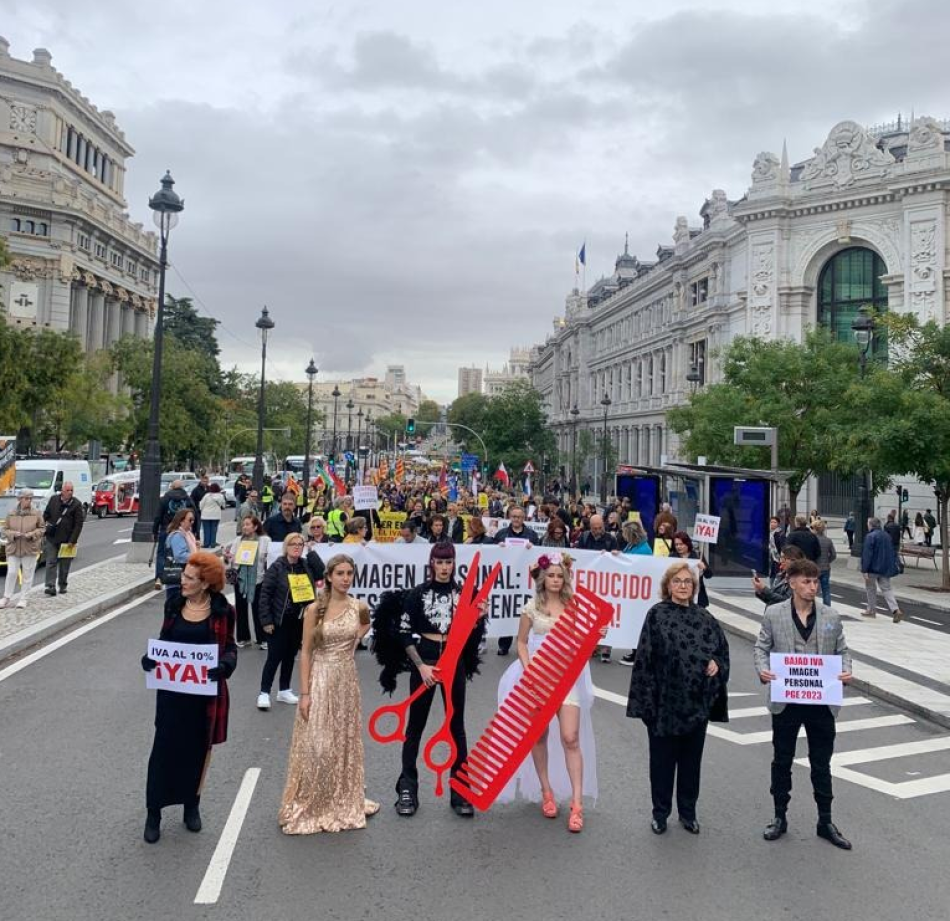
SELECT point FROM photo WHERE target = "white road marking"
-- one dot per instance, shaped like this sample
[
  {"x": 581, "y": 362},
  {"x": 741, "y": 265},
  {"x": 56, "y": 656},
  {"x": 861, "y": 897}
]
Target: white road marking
[
  {"x": 210, "y": 889},
  {"x": 923, "y": 620},
  {"x": 122, "y": 540},
  {"x": 939, "y": 783},
  {"x": 11, "y": 670},
  {"x": 757, "y": 738},
  {"x": 763, "y": 711},
  {"x": 621, "y": 699}
]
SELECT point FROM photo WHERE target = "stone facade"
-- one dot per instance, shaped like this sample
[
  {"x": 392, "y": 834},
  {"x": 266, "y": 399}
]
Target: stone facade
[
  {"x": 515, "y": 369},
  {"x": 470, "y": 381},
  {"x": 752, "y": 267},
  {"x": 79, "y": 263}
]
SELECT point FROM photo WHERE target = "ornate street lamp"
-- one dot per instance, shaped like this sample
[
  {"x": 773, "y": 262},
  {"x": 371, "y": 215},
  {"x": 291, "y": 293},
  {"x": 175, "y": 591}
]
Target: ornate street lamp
[
  {"x": 264, "y": 324},
  {"x": 863, "y": 329},
  {"x": 336, "y": 400},
  {"x": 575, "y": 412},
  {"x": 166, "y": 206},
  {"x": 605, "y": 402},
  {"x": 370, "y": 437},
  {"x": 359, "y": 448},
  {"x": 311, "y": 373}
]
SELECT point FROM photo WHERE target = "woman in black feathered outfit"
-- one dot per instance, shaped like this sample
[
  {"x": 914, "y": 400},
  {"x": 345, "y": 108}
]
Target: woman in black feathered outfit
[
  {"x": 410, "y": 630},
  {"x": 678, "y": 685}
]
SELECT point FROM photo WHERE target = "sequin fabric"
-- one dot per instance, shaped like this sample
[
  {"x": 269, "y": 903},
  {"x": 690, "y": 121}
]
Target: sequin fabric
[{"x": 325, "y": 774}]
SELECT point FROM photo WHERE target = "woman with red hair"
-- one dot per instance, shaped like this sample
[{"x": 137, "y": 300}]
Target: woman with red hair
[{"x": 187, "y": 725}]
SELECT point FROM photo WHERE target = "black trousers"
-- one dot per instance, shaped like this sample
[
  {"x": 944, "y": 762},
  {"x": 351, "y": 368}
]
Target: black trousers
[
  {"x": 241, "y": 609},
  {"x": 282, "y": 646},
  {"x": 676, "y": 759},
  {"x": 419, "y": 716},
  {"x": 819, "y": 723},
  {"x": 504, "y": 644}
]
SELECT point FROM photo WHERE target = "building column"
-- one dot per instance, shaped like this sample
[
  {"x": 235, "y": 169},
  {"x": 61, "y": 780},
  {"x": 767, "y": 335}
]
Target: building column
[
  {"x": 114, "y": 315},
  {"x": 79, "y": 316},
  {"x": 127, "y": 321},
  {"x": 97, "y": 302}
]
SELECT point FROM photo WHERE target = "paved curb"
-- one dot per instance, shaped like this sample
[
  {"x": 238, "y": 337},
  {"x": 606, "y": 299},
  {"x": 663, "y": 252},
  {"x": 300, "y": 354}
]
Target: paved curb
[
  {"x": 870, "y": 688},
  {"x": 39, "y": 632}
]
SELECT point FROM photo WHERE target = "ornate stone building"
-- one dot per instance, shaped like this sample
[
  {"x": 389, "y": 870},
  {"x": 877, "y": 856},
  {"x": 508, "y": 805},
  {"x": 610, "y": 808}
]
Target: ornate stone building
[
  {"x": 862, "y": 221},
  {"x": 79, "y": 263}
]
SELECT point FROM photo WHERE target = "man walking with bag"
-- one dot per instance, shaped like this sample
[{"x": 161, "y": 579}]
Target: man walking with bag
[
  {"x": 878, "y": 566},
  {"x": 64, "y": 519}
]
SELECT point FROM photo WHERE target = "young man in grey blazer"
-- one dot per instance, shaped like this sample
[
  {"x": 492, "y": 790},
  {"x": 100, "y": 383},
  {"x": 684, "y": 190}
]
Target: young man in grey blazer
[{"x": 802, "y": 625}]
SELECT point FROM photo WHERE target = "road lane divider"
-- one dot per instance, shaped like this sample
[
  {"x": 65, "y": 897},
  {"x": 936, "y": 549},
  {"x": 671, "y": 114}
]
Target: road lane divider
[{"x": 210, "y": 889}]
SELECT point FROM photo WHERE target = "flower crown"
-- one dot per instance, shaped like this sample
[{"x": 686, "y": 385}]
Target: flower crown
[{"x": 546, "y": 560}]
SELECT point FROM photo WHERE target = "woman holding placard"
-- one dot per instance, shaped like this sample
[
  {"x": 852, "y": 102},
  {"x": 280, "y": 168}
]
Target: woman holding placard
[
  {"x": 285, "y": 593},
  {"x": 677, "y": 687},
  {"x": 187, "y": 725},
  {"x": 325, "y": 775},
  {"x": 247, "y": 558}
]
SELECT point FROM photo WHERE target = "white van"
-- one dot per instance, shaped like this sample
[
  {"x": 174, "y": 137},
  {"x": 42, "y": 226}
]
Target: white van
[{"x": 46, "y": 475}]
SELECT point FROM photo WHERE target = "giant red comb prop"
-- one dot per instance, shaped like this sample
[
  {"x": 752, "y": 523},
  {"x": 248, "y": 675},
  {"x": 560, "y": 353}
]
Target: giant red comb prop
[
  {"x": 526, "y": 712},
  {"x": 463, "y": 622}
]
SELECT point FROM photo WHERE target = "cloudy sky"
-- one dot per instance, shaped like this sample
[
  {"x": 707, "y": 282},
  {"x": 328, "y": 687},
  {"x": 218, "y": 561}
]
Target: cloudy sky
[{"x": 408, "y": 182}]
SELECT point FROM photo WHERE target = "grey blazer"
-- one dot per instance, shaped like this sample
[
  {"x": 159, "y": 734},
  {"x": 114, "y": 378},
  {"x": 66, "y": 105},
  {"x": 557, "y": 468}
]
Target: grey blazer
[{"x": 778, "y": 634}]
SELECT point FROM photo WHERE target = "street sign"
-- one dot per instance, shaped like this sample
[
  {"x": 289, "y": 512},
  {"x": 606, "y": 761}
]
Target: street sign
[
  {"x": 469, "y": 461},
  {"x": 528, "y": 468},
  {"x": 755, "y": 436}
]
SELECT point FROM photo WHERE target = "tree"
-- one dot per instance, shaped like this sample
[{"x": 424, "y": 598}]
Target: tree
[
  {"x": 428, "y": 411},
  {"x": 392, "y": 425},
  {"x": 468, "y": 410},
  {"x": 802, "y": 389},
  {"x": 50, "y": 361},
  {"x": 87, "y": 410},
  {"x": 194, "y": 332},
  {"x": 4, "y": 260},
  {"x": 903, "y": 415},
  {"x": 515, "y": 429}
]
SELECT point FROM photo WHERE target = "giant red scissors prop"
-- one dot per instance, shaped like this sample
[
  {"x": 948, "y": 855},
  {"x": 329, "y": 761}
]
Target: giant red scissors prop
[{"x": 463, "y": 622}]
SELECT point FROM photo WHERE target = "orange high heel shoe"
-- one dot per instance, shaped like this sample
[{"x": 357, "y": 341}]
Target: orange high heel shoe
[
  {"x": 548, "y": 804},
  {"x": 575, "y": 822}
]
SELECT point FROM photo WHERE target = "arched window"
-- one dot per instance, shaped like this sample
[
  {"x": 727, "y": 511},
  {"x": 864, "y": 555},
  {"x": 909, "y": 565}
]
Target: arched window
[
  {"x": 850, "y": 280},
  {"x": 15, "y": 225}
]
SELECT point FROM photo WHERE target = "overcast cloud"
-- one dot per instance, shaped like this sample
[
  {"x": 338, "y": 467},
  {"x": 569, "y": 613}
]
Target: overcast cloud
[{"x": 408, "y": 182}]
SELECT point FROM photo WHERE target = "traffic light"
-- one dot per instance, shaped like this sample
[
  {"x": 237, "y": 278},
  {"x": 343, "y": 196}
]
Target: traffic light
[{"x": 410, "y": 426}]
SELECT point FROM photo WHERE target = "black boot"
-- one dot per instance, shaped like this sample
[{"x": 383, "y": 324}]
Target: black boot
[
  {"x": 153, "y": 825},
  {"x": 192, "y": 817},
  {"x": 776, "y": 828}
]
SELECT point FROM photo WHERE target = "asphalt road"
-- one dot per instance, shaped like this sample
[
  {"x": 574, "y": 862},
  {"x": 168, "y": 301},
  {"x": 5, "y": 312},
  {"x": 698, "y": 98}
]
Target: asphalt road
[
  {"x": 932, "y": 617},
  {"x": 75, "y": 733}
]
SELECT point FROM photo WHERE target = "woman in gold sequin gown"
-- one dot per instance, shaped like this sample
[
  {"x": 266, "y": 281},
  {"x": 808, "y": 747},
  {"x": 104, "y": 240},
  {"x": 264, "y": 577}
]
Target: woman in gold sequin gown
[{"x": 325, "y": 776}]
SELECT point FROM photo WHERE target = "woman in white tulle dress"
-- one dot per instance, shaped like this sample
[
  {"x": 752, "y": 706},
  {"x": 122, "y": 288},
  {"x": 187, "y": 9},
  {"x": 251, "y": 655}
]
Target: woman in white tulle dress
[{"x": 563, "y": 764}]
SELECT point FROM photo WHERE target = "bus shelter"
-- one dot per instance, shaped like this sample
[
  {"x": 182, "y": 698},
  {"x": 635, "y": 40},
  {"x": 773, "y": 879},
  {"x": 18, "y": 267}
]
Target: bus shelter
[{"x": 742, "y": 499}]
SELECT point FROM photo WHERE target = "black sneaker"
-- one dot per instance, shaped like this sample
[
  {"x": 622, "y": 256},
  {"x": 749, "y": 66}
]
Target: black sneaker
[
  {"x": 50, "y": 591},
  {"x": 628, "y": 659},
  {"x": 407, "y": 804},
  {"x": 464, "y": 809}
]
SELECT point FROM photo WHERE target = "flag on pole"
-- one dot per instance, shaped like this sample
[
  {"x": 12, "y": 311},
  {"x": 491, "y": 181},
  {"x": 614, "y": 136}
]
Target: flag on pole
[
  {"x": 400, "y": 470},
  {"x": 581, "y": 258},
  {"x": 383, "y": 468},
  {"x": 502, "y": 474},
  {"x": 443, "y": 479},
  {"x": 323, "y": 476},
  {"x": 527, "y": 485}
]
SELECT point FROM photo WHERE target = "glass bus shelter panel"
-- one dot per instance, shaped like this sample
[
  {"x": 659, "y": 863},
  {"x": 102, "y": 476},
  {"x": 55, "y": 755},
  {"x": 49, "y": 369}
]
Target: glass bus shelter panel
[
  {"x": 743, "y": 509},
  {"x": 643, "y": 491},
  {"x": 684, "y": 499}
]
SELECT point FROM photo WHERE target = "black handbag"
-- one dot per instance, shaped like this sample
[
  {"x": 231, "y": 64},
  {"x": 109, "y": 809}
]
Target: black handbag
[{"x": 171, "y": 572}]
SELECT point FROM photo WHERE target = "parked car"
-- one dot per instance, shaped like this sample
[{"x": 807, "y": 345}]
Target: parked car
[{"x": 228, "y": 490}]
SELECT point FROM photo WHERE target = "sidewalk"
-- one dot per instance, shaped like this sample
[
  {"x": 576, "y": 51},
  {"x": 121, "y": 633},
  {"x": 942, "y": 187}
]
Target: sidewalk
[
  {"x": 93, "y": 590},
  {"x": 901, "y": 663}
]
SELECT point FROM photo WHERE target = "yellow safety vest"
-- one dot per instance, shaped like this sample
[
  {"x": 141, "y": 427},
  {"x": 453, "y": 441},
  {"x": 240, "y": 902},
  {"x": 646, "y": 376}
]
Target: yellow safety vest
[{"x": 335, "y": 527}]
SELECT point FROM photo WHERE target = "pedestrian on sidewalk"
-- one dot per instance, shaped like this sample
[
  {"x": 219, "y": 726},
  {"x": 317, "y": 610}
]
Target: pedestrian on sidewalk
[
  {"x": 197, "y": 494},
  {"x": 878, "y": 566},
  {"x": 893, "y": 530},
  {"x": 188, "y": 725},
  {"x": 23, "y": 532},
  {"x": 64, "y": 519},
  {"x": 905, "y": 525},
  {"x": 247, "y": 557},
  {"x": 169, "y": 505},
  {"x": 180, "y": 544},
  {"x": 800, "y": 626},
  {"x": 826, "y": 558},
  {"x": 776, "y": 542},
  {"x": 849, "y": 529},
  {"x": 930, "y": 525},
  {"x": 920, "y": 530},
  {"x": 678, "y": 685},
  {"x": 210, "y": 509},
  {"x": 802, "y": 538}
]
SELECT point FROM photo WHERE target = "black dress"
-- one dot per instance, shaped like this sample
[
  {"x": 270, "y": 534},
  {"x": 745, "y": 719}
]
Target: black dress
[{"x": 181, "y": 745}]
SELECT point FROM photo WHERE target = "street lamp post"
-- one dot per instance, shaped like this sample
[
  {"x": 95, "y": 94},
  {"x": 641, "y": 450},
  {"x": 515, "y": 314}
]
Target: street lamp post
[
  {"x": 575, "y": 412},
  {"x": 336, "y": 400},
  {"x": 605, "y": 402},
  {"x": 166, "y": 206},
  {"x": 349, "y": 424},
  {"x": 863, "y": 329},
  {"x": 311, "y": 373},
  {"x": 359, "y": 433},
  {"x": 370, "y": 438},
  {"x": 265, "y": 324}
]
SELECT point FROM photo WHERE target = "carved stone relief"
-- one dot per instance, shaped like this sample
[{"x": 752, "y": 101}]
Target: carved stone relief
[
  {"x": 765, "y": 168},
  {"x": 22, "y": 119},
  {"x": 847, "y": 156},
  {"x": 923, "y": 268}
]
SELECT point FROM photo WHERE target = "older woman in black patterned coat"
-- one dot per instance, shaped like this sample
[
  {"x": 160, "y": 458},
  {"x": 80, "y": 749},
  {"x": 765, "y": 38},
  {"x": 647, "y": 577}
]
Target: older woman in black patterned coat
[{"x": 678, "y": 685}]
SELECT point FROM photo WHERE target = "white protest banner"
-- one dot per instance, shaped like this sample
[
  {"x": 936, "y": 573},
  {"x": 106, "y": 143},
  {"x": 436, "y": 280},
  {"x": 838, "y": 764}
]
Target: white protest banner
[
  {"x": 804, "y": 678},
  {"x": 182, "y": 667},
  {"x": 706, "y": 529},
  {"x": 631, "y": 583},
  {"x": 365, "y": 497}
]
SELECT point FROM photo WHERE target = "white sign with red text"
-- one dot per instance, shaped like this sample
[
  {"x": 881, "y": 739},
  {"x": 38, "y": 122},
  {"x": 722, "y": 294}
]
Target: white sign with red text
[
  {"x": 805, "y": 678},
  {"x": 182, "y": 667},
  {"x": 706, "y": 529}
]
